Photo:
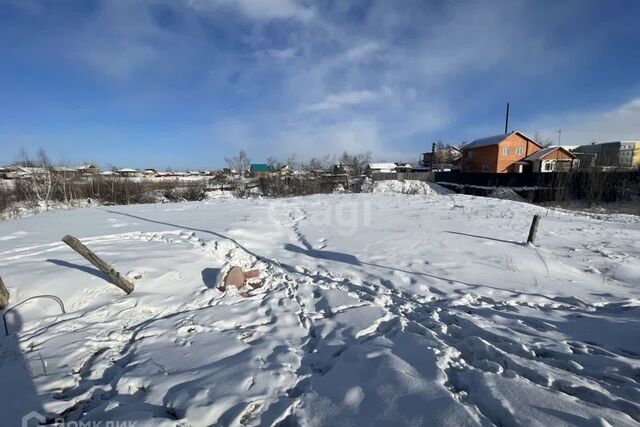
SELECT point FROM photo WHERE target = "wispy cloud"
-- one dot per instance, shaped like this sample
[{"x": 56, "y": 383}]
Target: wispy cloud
[
  {"x": 258, "y": 9},
  {"x": 340, "y": 100},
  {"x": 612, "y": 124},
  {"x": 364, "y": 51},
  {"x": 274, "y": 75}
]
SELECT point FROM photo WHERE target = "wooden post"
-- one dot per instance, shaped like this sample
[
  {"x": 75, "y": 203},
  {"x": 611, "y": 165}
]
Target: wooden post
[
  {"x": 533, "y": 230},
  {"x": 4, "y": 295},
  {"x": 115, "y": 277}
]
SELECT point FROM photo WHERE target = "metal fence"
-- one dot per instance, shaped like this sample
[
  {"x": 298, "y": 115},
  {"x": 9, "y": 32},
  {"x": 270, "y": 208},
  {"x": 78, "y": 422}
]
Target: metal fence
[
  {"x": 418, "y": 176},
  {"x": 587, "y": 185}
]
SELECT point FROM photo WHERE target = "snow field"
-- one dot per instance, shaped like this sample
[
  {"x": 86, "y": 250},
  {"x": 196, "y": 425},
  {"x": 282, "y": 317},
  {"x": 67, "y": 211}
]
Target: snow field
[{"x": 432, "y": 312}]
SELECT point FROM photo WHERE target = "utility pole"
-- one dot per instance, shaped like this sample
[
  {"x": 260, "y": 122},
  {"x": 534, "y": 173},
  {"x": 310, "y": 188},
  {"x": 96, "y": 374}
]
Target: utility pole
[
  {"x": 433, "y": 154},
  {"x": 506, "y": 120}
]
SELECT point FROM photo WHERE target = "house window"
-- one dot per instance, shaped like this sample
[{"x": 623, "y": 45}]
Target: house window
[
  {"x": 505, "y": 151},
  {"x": 548, "y": 166},
  {"x": 485, "y": 168},
  {"x": 519, "y": 150}
]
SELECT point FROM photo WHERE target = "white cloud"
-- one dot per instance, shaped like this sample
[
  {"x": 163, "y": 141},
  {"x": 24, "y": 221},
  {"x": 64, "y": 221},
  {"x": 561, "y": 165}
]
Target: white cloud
[
  {"x": 258, "y": 9},
  {"x": 355, "y": 136},
  {"x": 119, "y": 41},
  {"x": 615, "y": 124},
  {"x": 340, "y": 100},
  {"x": 287, "y": 53},
  {"x": 363, "y": 51},
  {"x": 410, "y": 60}
]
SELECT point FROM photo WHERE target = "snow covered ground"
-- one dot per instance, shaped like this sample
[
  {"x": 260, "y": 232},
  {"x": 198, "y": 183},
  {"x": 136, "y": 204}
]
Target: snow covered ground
[
  {"x": 23, "y": 209},
  {"x": 377, "y": 309}
]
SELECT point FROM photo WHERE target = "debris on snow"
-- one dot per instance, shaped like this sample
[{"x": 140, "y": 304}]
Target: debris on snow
[{"x": 506, "y": 194}]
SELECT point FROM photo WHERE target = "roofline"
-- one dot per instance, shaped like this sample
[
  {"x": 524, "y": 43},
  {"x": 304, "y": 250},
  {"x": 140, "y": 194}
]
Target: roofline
[
  {"x": 558, "y": 147},
  {"x": 498, "y": 143},
  {"x": 554, "y": 148},
  {"x": 526, "y": 137}
]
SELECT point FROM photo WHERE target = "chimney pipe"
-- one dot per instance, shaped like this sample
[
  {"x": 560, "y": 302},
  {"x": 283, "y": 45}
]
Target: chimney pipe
[{"x": 506, "y": 121}]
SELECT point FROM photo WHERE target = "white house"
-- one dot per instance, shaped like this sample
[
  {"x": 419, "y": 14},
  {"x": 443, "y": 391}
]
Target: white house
[
  {"x": 127, "y": 172},
  {"x": 381, "y": 167}
]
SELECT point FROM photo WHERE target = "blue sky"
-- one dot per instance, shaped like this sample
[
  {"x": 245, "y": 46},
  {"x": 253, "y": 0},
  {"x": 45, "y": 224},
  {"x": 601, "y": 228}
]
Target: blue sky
[{"x": 184, "y": 83}]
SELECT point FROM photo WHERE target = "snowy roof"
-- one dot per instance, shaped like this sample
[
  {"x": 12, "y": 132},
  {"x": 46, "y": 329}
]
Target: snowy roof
[
  {"x": 64, "y": 169},
  {"x": 382, "y": 165},
  {"x": 540, "y": 154},
  {"x": 127, "y": 170},
  {"x": 83, "y": 167},
  {"x": 494, "y": 140},
  {"x": 489, "y": 140},
  {"x": 107, "y": 173},
  {"x": 32, "y": 170}
]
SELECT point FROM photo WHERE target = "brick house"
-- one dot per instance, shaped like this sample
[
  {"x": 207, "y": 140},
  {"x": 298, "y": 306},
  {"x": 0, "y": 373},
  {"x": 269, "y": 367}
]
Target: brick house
[{"x": 503, "y": 153}]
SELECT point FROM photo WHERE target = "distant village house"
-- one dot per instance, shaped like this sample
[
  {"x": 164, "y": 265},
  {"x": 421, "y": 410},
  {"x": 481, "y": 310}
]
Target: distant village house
[
  {"x": 380, "y": 168},
  {"x": 88, "y": 169},
  {"x": 443, "y": 158},
  {"x": 127, "y": 172},
  {"x": 260, "y": 169}
]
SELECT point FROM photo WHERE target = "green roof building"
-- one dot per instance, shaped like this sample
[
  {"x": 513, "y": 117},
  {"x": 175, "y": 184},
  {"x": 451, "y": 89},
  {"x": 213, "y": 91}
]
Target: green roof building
[{"x": 260, "y": 168}]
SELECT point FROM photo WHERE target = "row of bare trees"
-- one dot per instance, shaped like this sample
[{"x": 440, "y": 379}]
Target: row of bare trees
[{"x": 355, "y": 164}]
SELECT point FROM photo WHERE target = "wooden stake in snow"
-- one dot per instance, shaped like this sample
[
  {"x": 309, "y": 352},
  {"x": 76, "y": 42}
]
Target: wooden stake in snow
[
  {"x": 115, "y": 277},
  {"x": 533, "y": 230},
  {"x": 4, "y": 295}
]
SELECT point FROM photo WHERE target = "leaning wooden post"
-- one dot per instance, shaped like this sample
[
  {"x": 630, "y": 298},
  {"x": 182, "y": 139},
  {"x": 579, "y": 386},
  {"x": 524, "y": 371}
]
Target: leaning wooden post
[
  {"x": 115, "y": 277},
  {"x": 533, "y": 230},
  {"x": 4, "y": 295}
]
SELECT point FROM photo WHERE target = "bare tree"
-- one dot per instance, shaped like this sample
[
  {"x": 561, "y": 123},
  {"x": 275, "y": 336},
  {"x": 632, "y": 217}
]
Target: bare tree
[
  {"x": 273, "y": 163},
  {"x": 39, "y": 186},
  {"x": 42, "y": 159},
  {"x": 543, "y": 141},
  {"x": 355, "y": 164},
  {"x": 241, "y": 163}
]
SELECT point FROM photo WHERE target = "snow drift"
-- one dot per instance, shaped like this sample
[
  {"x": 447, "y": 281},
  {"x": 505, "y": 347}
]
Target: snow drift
[{"x": 408, "y": 187}]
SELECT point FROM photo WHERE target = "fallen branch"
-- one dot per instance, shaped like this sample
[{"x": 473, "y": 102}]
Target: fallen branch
[{"x": 115, "y": 277}]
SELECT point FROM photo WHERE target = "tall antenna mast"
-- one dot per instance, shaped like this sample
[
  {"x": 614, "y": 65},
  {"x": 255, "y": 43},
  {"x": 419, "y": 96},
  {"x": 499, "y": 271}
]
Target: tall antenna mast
[{"x": 559, "y": 136}]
